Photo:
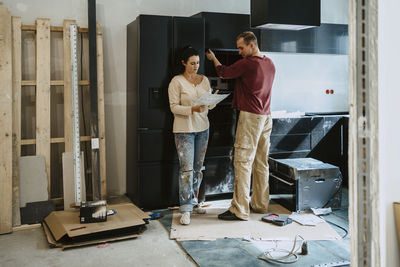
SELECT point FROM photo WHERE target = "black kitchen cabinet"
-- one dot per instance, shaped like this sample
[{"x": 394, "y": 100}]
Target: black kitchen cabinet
[
  {"x": 290, "y": 135},
  {"x": 151, "y": 161},
  {"x": 189, "y": 31},
  {"x": 152, "y": 45},
  {"x": 325, "y": 39},
  {"x": 221, "y": 29},
  {"x": 330, "y": 141}
]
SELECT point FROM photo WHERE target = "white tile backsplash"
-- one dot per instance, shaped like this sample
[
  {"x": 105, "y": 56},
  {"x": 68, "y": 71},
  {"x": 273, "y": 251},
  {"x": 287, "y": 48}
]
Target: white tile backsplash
[{"x": 301, "y": 82}]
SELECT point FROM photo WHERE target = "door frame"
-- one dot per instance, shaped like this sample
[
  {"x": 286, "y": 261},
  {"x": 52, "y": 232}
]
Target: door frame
[{"x": 363, "y": 133}]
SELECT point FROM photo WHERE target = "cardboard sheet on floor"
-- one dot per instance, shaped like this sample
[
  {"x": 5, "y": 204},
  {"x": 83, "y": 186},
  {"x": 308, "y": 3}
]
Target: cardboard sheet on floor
[
  {"x": 209, "y": 227},
  {"x": 63, "y": 229}
]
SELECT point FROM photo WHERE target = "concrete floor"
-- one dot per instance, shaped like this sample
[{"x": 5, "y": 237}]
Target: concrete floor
[{"x": 152, "y": 248}]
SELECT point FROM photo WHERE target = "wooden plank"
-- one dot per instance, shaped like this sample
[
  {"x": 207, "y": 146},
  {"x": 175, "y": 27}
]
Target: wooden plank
[
  {"x": 52, "y": 28},
  {"x": 43, "y": 93},
  {"x": 54, "y": 140},
  {"x": 101, "y": 118},
  {"x": 364, "y": 210},
  {"x": 68, "y": 127},
  {"x": 5, "y": 122},
  {"x": 57, "y": 28},
  {"x": 83, "y": 30},
  {"x": 25, "y": 142},
  {"x": 16, "y": 114},
  {"x": 53, "y": 82},
  {"x": 28, "y": 83},
  {"x": 27, "y": 227},
  {"x": 84, "y": 82},
  {"x": 57, "y": 83},
  {"x": 28, "y": 27}
]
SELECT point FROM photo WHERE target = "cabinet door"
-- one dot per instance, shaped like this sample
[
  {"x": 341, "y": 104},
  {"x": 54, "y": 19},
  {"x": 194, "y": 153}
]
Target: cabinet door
[
  {"x": 156, "y": 145},
  {"x": 151, "y": 186},
  {"x": 331, "y": 142},
  {"x": 325, "y": 39},
  {"x": 189, "y": 32},
  {"x": 155, "y": 49},
  {"x": 221, "y": 29},
  {"x": 158, "y": 185},
  {"x": 290, "y": 137}
]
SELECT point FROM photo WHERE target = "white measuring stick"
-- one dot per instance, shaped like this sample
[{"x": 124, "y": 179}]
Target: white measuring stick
[{"x": 75, "y": 113}]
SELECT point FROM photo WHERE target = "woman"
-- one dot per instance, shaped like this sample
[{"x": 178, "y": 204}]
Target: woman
[{"x": 190, "y": 129}]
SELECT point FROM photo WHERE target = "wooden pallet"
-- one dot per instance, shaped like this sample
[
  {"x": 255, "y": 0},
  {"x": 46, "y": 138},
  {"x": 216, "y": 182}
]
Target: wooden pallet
[
  {"x": 11, "y": 123},
  {"x": 5, "y": 122}
]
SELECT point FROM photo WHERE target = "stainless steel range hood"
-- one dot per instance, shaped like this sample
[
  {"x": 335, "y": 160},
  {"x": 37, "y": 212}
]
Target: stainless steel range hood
[{"x": 285, "y": 14}]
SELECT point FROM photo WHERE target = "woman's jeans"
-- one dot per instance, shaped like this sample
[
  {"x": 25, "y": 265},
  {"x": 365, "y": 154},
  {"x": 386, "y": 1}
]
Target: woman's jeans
[{"x": 191, "y": 148}]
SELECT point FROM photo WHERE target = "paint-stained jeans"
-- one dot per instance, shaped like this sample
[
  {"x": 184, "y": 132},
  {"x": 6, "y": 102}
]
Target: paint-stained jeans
[{"x": 191, "y": 148}]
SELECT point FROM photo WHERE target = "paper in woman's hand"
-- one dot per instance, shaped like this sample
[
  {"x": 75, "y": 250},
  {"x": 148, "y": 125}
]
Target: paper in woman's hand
[{"x": 210, "y": 99}]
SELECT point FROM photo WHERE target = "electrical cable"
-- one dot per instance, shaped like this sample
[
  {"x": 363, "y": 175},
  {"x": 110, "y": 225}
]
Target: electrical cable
[
  {"x": 344, "y": 229},
  {"x": 267, "y": 255},
  {"x": 334, "y": 194}
]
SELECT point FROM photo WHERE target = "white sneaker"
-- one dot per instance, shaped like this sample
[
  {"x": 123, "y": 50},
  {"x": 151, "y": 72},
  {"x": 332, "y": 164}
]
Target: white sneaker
[
  {"x": 185, "y": 218},
  {"x": 199, "y": 210}
]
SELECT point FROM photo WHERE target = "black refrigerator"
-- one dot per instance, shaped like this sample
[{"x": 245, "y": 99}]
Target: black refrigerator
[{"x": 152, "y": 44}]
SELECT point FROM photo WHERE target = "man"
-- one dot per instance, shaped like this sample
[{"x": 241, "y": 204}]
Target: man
[{"x": 254, "y": 75}]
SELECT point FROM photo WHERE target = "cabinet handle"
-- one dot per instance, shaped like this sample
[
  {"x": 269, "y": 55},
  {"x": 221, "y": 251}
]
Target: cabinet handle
[{"x": 280, "y": 179}]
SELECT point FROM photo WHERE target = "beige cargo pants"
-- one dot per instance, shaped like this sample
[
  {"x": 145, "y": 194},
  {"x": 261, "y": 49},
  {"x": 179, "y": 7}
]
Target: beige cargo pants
[{"x": 251, "y": 156}]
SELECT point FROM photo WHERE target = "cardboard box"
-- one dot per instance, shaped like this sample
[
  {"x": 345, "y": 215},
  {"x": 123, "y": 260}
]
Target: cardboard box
[
  {"x": 63, "y": 229},
  {"x": 396, "y": 209}
]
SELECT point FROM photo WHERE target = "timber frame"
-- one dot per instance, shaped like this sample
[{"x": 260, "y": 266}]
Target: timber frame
[
  {"x": 363, "y": 133},
  {"x": 12, "y": 86}
]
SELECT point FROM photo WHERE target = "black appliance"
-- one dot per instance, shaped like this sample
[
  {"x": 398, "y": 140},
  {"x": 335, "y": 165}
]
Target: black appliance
[
  {"x": 152, "y": 44},
  {"x": 152, "y": 164},
  {"x": 306, "y": 183},
  {"x": 285, "y": 14}
]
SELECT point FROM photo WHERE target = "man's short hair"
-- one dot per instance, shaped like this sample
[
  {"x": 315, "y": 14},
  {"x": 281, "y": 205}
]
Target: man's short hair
[{"x": 248, "y": 37}]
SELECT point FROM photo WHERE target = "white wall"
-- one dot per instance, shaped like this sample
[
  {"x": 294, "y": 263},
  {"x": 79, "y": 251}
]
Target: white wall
[
  {"x": 334, "y": 11},
  {"x": 114, "y": 16},
  {"x": 307, "y": 77},
  {"x": 389, "y": 138}
]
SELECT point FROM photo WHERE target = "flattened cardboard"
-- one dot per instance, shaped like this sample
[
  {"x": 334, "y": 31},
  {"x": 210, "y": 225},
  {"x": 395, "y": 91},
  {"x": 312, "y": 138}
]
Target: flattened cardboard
[
  {"x": 53, "y": 243},
  {"x": 209, "y": 227},
  {"x": 63, "y": 228}
]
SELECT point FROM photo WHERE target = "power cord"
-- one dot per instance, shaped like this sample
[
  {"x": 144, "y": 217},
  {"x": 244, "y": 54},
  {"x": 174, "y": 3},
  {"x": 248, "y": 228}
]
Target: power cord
[
  {"x": 344, "y": 229},
  {"x": 291, "y": 255},
  {"x": 331, "y": 198}
]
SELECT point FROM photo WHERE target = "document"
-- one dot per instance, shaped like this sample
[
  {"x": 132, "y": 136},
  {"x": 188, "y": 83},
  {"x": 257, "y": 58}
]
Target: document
[
  {"x": 210, "y": 99},
  {"x": 306, "y": 218}
]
